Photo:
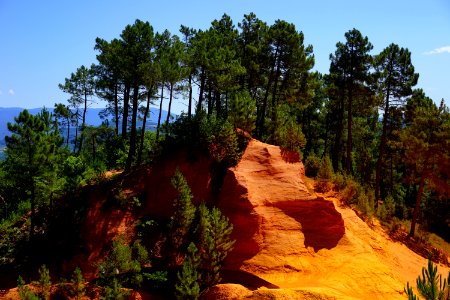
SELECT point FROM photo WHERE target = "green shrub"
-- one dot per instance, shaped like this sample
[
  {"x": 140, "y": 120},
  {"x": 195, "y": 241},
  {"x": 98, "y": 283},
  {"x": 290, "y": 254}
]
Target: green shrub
[
  {"x": 78, "y": 288},
  {"x": 325, "y": 169},
  {"x": 287, "y": 132},
  {"x": 430, "y": 285},
  {"x": 44, "y": 282},
  {"x": 350, "y": 191},
  {"x": 188, "y": 286},
  {"x": 242, "y": 113},
  {"x": 365, "y": 203},
  {"x": 339, "y": 181},
  {"x": 312, "y": 165},
  {"x": 209, "y": 134},
  {"x": 114, "y": 291},
  {"x": 386, "y": 210},
  {"x": 222, "y": 141},
  {"x": 124, "y": 264},
  {"x": 24, "y": 291}
]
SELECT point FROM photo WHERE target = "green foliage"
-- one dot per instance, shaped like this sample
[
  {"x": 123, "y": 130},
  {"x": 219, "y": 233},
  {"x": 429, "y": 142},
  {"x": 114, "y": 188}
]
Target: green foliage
[
  {"x": 114, "y": 291},
  {"x": 287, "y": 132},
  {"x": 157, "y": 279},
  {"x": 44, "y": 282},
  {"x": 242, "y": 112},
  {"x": 387, "y": 210},
  {"x": 214, "y": 231},
  {"x": 24, "y": 291},
  {"x": 222, "y": 142},
  {"x": 325, "y": 169},
  {"x": 78, "y": 286},
  {"x": 33, "y": 155},
  {"x": 216, "y": 136},
  {"x": 73, "y": 170},
  {"x": 184, "y": 213},
  {"x": 124, "y": 264},
  {"x": 430, "y": 285},
  {"x": 312, "y": 165},
  {"x": 188, "y": 279}
]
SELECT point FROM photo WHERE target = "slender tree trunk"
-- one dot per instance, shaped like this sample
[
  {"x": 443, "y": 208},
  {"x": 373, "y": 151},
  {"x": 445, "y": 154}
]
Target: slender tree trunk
[
  {"x": 116, "y": 109},
  {"x": 218, "y": 108},
  {"x": 33, "y": 208},
  {"x": 381, "y": 150},
  {"x": 417, "y": 207},
  {"x": 202, "y": 90},
  {"x": 190, "y": 97},
  {"x": 338, "y": 136},
  {"x": 275, "y": 86},
  {"x": 132, "y": 150},
  {"x": 170, "y": 105},
  {"x": 68, "y": 129},
  {"x": 75, "y": 143},
  {"x": 262, "y": 118},
  {"x": 210, "y": 103},
  {"x": 126, "y": 99},
  {"x": 348, "y": 161},
  {"x": 83, "y": 123},
  {"x": 160, "y": 111},
  {"x": 144, "y": 123},
  {"x": 33, "y": 191}
]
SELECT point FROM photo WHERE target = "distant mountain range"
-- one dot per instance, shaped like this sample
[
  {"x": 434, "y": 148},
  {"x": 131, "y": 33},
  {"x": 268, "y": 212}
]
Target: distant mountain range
[{"x": 7, "y": 114}]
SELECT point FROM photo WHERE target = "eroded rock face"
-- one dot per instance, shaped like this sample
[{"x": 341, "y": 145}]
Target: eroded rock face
[{"x": 290, "y": 238}]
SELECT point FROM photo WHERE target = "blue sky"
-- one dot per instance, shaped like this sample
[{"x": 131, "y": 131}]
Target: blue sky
[{"x": 42, "y": 42}]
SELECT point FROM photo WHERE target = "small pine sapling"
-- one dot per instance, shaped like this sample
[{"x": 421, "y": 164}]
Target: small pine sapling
[{"x": 188, "y": 286}]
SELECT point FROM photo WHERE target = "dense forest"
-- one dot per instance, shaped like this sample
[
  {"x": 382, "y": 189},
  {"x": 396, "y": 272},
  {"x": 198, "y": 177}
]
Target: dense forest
[{"x": 362, "y": 126}]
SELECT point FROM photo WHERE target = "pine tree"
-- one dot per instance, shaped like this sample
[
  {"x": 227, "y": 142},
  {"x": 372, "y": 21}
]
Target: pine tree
[
  {"x": 32, "y": 157},
  {"x": 242, "y": 113},
  {"x": 430, "y": 285},
  {"x": 78, "y": 288},
  {"x": 326, "y": 169},
  {"x": 395, "y": 76},
  {"x": 25, "y": 293},
  {"x": 44, "y": 282},
  {"x": 350, "y": 65},
  {"x": 188, "y": 279},
  {"x": 214, "y": 230},
  {"x": 184, "y": 213},
  {"x": 426, "y": 145}
]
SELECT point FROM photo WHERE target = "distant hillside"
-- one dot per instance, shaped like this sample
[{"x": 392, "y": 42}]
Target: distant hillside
[{"x": 7, "y": 114}]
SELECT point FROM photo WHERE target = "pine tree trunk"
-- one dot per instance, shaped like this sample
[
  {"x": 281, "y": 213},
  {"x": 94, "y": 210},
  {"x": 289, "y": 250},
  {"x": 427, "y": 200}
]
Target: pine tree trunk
[
  {"x": 382, "y": 149},
  {"x": 338, "y": 136},
  {"x": 116, "y": 109},
  {"x": 132, "y": 150},
  {"x": 218, "y": 104},
  {"x": 417, "y": 207},
  {"x": 190, "y": 97},
  {"x": 160, "y": 111},
  {"x": 126, "y": 99},
  {"x": 68, "y": 129},
  {"x": 144, "y": 123},
  {"x": 348, "y": 161},
  {"x": 262, "y": 115},
  {"x": 202, "y": 90},
  {"x": 170, "y": 105}
]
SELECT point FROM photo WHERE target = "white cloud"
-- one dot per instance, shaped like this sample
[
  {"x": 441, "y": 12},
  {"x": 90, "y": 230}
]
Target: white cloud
[
  {"x": 445, "y": 49},
  {"x": 11, "y": 92}
]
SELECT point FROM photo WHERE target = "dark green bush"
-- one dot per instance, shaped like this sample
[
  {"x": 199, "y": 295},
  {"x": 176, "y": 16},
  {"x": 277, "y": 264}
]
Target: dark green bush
[{"x": 312, "y": 165}]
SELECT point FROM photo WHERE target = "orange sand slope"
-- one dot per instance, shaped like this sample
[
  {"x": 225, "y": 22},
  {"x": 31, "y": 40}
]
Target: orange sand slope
[{"x": 303, "y": 243}]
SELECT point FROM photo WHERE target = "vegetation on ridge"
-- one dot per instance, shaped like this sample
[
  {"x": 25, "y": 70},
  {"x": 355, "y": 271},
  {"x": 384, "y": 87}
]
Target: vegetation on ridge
[{"x": 251, "y": 78}]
